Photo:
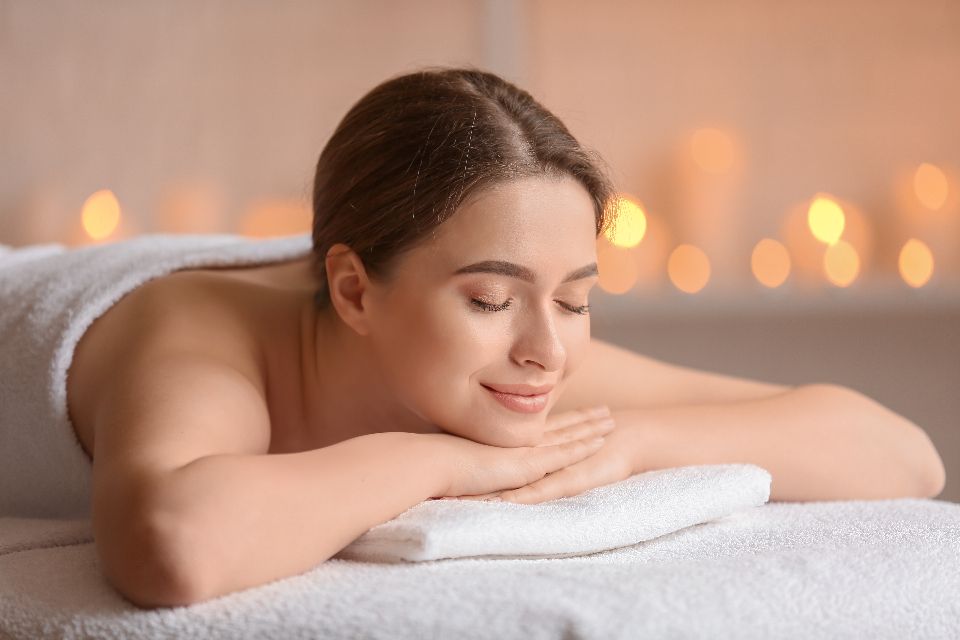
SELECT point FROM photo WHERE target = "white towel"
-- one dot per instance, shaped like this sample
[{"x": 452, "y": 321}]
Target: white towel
[
  {"x": 49, "y": 296},
  {"x": 641, "y": 507},
  {"x": 885, "y": 569}
]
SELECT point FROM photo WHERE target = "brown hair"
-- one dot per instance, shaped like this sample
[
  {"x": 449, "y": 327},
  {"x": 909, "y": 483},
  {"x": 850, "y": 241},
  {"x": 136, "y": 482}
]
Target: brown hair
[{"x": 411, "y": 150}]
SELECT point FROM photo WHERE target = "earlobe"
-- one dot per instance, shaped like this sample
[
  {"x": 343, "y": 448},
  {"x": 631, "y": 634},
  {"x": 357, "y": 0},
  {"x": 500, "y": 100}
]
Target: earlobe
[{"x": 347, "y": 281}]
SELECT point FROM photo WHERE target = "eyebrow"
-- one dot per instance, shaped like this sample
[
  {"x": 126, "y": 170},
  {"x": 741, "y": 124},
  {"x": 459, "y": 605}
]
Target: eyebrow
[{"x": 503, "y": 268}]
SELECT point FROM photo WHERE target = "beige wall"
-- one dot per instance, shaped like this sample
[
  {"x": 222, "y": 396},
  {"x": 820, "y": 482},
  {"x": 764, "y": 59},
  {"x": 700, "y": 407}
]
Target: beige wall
[
  {"x": 137, "y": 97},
  {"x": 239, "y": 97},
  {"x": 242, "y": 95},
  {"x": 836, "y": 96}
]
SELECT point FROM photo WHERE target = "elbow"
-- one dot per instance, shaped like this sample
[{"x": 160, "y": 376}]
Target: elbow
[
  {"x": 934, "y": 475},
  {"x": 927, "y": 464},
  {"x": 911, "y": 443},
  {"x": 148, "y": 560}
]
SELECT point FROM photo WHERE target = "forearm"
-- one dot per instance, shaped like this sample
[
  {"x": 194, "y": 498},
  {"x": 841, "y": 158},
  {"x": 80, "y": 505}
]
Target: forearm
[
  {"x": 244, "y": 520},
  {"x": 819, "y": 442}
]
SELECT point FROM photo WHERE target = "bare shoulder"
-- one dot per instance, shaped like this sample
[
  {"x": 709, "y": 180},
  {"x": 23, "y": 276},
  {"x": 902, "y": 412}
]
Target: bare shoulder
[
  {"x": 625, "y": 379},
  {"x": 166, "y": 375}
]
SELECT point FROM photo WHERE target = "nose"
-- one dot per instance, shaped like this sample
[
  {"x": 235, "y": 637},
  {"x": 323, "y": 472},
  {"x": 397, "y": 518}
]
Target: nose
[{"x": 539, "y": 340}]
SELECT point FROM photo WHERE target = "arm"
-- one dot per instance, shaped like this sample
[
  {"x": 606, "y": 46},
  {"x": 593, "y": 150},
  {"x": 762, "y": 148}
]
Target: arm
[
  {"x": 819, "y": 442},
  {"x": 188, "y": 505},
  {"x": 623, "y": 379},
  {"x": 223, "y": 523}
]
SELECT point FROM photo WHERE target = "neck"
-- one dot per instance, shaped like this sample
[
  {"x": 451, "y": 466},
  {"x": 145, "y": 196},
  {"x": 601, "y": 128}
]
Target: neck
[{"x": 343, "y": 393}]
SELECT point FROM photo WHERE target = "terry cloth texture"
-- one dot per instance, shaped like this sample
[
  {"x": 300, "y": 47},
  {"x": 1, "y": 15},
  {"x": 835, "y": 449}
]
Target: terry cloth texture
[
  {"x": 641, "y": 507},
  {"x": 49, "y": 296}
]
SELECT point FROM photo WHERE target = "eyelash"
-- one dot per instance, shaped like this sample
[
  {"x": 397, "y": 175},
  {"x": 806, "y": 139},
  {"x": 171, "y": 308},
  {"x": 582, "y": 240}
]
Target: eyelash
[{"x": 582, "y": 311}]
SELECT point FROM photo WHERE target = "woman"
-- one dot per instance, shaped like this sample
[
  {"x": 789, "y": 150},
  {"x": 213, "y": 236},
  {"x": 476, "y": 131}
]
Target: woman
[{"x": 245, "y": 424}]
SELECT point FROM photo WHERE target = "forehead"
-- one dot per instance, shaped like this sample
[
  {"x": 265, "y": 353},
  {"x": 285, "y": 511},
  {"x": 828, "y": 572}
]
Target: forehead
[{"x": 523, "y": 217}]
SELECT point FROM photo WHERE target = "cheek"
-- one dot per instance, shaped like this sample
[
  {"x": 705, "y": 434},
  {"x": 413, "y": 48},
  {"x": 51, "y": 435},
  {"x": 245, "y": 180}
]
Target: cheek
[
  {"x": 577, "y": 344},
  {"x": 432, "y": 354}
]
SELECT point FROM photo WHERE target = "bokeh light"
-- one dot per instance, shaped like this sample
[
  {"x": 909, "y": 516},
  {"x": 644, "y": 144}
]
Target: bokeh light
[
  {"x": 191, "y": 207},
  {"x": 713, "y": 150},
  {"x": 825, "y": 219},
  {"x": 841, "y": 264},
  {"x": 618, "y": 268},
  {"x": 100, "y": 214},
  {"x": 930, "y": 186},
  {"x": 271, "y": 218},
  {"x": 629, "y": 222},
  {"x": 688, "y": 268},
  {"x": 915, "y": 263},
  {"x": 770, "y": 263}
]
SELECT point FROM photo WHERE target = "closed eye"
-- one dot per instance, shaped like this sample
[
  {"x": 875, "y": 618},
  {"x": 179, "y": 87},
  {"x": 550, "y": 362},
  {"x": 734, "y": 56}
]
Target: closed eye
[{"x": 580, "y": 310}]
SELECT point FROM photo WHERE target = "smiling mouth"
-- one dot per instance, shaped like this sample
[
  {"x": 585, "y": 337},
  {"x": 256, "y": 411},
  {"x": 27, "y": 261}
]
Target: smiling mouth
[
  {"x": 520, "y": 403},
  {"x": 522, "y": 391}
]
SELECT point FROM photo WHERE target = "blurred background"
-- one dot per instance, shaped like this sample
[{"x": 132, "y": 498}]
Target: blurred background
[{"x": 789, "y": 172}]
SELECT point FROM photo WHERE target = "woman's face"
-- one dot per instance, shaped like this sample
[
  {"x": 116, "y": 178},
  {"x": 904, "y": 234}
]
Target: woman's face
[{"x": 438, "y": 345}]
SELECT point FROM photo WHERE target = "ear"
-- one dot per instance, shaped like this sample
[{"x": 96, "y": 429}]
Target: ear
[{"x": 347, "y": 283}]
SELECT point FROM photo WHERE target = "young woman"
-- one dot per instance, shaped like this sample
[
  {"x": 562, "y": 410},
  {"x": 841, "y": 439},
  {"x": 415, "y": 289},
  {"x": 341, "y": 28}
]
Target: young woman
[{"x": 245, "y": 424}]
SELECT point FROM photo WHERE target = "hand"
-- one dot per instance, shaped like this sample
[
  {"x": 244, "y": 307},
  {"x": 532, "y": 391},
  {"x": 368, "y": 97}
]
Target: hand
[
  {"x": 478, "y": 469},
  {"x": 611, "y": 463}
]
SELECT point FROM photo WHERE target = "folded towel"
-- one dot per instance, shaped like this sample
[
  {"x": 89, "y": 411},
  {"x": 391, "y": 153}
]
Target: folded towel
[
  {"x": 49, "y": 296},
  {"x": 641, "y": 507}
]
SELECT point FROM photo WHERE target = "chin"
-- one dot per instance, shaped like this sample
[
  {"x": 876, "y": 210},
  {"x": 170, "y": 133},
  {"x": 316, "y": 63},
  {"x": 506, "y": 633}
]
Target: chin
[{"x": 528, "y": 435}]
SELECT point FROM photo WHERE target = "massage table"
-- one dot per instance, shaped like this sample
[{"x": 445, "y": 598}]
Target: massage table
[{"x": 832, "y": 569}]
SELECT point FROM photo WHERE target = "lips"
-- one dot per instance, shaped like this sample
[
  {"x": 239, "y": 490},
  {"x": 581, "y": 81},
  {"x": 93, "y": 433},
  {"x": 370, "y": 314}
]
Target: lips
[{"x": 520, "y": 389}]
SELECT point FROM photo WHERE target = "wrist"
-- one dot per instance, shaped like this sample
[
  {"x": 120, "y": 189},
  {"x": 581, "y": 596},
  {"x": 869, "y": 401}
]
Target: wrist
[
  {"x": 642, "y": 437},
  {"x": 430, "y": 461}
]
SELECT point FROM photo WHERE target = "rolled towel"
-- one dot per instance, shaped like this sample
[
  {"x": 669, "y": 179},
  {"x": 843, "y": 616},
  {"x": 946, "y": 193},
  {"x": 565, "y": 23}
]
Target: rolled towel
[{"x": 639, "y": 508}]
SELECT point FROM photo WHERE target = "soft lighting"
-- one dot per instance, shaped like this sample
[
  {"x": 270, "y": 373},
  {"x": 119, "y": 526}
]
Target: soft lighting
[
  {"x": 192, "y": 207},
  {"x": 713, "y": 150},
  {"x": 276, "y": 218},
  {"x": 930, "y": 185},
  {"x": 629, "y": 222},
  {"x": 770, "y": 263},
  {"x": 916, "y": 263},
  {"x": 825, "y": 219},
  {"x": 841, "y": 264},
  {"x": 688, "y": 268},
  {"x": 100, "y": 214},
  {"x": 617, "y": 267}
]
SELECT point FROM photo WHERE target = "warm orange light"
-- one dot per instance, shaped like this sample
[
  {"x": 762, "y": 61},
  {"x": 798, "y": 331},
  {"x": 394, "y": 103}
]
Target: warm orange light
[
  {"x": 825, "y": 219},
  {"x": 713, "y": 150},
  {"x": 841, "y": 264},
  {"x": 916, "y": 263},
  {"x": 100, "y": 214},
  {"x": 618, "y": 268},
  {"x": 629, "y": 222},
  {"x": 276, "y": 218},
  {"x": 770, "y": 263},
  {"x": 195, "y": 207},
  {"x": 930, "y": 186},
  {"x": 688, "y": 268}
]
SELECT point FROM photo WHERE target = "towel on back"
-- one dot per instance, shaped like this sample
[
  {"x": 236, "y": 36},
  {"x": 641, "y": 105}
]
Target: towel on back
[{"x": 49, "y": 296}]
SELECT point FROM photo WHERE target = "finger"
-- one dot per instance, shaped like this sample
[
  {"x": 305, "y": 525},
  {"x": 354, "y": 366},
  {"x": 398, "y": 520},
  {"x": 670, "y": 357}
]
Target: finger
[
  {"x": 590, "y": 429},
  {"x": 575, "y": 416},
  {"x": 564, "y": 483},
  {"x": 543, "y": 460},
  {"x": 482, "y": 496}
]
